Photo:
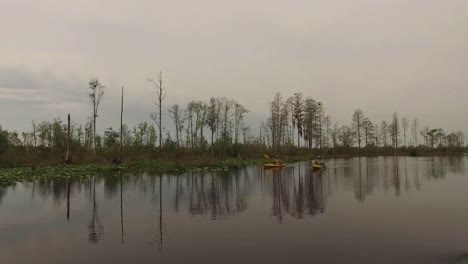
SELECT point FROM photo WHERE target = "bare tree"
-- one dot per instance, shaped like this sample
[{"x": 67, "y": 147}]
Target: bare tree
[
  {"x": 160, "y": 95},
  {"x": 384, "y": 132},
  {"x": 334, "y": 135},
  {"x": 95, "y": 95},
  {"x": 358, "y": 120},
  {"x": 189, "y": 117},
  {"x": 212, "y": 119},
  {"x": 368, "y": 128},
  {"x": 346, "y": 136},
  {"x": 227, "y": 105},
  {"x": 34, "y": 132},
  {"x": 68, "y": 155},
  {"x": 239, "y": 112},
  {"x": 377, "y": 137},
  {"x": 311, "y": 128},
  {"x": 395, "y": 130},
  {"x": 275, "y": 120},
  {"x": 327, "y": 122},
  {"x": 176, "y": 113},
  {"x": 424, "y": 133},
  {"x": 414, "y": 131},
  {"x": 404, "y": 124},
  {"x": 203, "y": 109},
  {"x": 298, "y": 113},
  {"x": 121, "y": 123}
]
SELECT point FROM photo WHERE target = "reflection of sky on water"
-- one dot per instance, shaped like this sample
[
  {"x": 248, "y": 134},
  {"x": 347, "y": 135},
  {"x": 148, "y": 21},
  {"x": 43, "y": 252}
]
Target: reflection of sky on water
[{"x": 363, "y": 201}]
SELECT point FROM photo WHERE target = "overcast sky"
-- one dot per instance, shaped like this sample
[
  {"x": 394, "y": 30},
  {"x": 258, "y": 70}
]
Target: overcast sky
[{"x": 382, "y": 56}]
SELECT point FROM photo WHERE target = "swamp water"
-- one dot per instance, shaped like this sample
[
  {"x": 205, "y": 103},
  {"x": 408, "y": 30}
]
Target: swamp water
[{"x": 358, "y": 210}]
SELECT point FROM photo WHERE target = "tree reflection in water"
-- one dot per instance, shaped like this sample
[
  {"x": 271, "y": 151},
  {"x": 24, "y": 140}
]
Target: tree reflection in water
[
  {"x": 294, "y": 191},
  {"x": 95, "y": 227},
  {"x": 297, "y": 192},
  {"x": 121, "y": 209},
  {"x": 3, "y": 192},
  {"x": 215, "y": 194}
]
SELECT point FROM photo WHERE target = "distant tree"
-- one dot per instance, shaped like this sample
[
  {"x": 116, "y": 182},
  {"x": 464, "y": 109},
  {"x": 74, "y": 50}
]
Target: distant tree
[
  {"x": 395, "y": 130},
  {"x": 201, "y": 122},
  {"x": 358, "y": 121},
  {"x": 42, "y": 129},
  {"x": 176, "y": 114},
  {"x": 334, "y": 132},
  {"x": 384, "y": 132},
  {"x": 98, "y": 142},
  {"x": 376, "y": 136},
  {"x": 226, "y": 112},
  {"x": 460, "y": 138},
  {"x": 311, "y": 126},
  {"x": 4, "y": 142},
  {"x": 111, "y": 138},
  {"x": 368, "y": 129},
  {"x": 440, "y": 136},
  {"x": 455, "y": 139},
  {"x": 57, "y": 137},
  {"x": 239, "y": 114},
  {"x": 275, "y": 120},
  {"x": 189, "y": 116},
  {"x": 79, "y": 135},
  {"x": 298, "y": 113},
  {"x": 34, "y": 133},
  {"x": 160, "y": 96},
  {"x": 320, "y": 116},
  {"x": 414, "y": 131},
  {"x": 13, "y": 138},
  {"x": 139, "y": 133},
  {"x": 212, "y": 119},
  {"x": 327, "y": 122},
  {"x": 198, "y": 120},
  {"x": 95, "y": 96},
  {"x": 404, "y": 125},
  {"x": 26, "y": 141},
  {"x": 346, "y": 136},
  {"x": 432, "y": 135},
  {"x": 151, "y": 137}
]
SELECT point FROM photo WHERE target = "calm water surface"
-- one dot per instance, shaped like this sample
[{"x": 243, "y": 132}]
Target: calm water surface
[{"x": 367, "y": 210}]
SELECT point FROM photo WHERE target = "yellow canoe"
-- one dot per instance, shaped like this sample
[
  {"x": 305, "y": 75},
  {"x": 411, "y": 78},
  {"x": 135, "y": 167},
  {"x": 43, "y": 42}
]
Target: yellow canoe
[
  {"x": 271, "y": 165},
  {"x": 318, "y": 167}
]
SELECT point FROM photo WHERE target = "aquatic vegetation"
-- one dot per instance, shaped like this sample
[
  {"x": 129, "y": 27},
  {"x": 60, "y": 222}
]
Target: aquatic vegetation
[{"x": 9, "y": 176}]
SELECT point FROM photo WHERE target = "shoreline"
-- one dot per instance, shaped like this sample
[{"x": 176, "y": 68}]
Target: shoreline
[{"x": 10, "y": 176}]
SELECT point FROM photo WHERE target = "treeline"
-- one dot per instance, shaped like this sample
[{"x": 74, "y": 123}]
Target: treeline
[
  {"x": 219, "y": 120},
  {"x": 298, "y": 121},
  {"x": 297, "y": 125}
]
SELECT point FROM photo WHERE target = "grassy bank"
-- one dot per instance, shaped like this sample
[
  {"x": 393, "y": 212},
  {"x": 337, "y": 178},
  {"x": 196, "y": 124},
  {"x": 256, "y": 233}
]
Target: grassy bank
[
  {"x": 174, "y": 164},
  {"x": 10, "y": 176}
]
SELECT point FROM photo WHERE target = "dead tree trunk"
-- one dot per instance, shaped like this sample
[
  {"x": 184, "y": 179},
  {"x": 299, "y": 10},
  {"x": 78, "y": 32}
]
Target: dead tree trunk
[
  {"x": 68, "y": 155},
  {"x": 121, "y": 124}
]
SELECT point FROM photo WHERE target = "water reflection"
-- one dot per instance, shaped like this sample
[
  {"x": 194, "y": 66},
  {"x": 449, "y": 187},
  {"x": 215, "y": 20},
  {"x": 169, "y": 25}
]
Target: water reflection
[
  {"x": 160, "y": 216},
  {"x": 3, "y": 192},
  {"x": 121, "y": 210},
  {"x": 293, "y": 192},
  {"x": 95, "y": 227},
  {"x": 297, "y": 191},
  {"x": 213, "y": 194}
]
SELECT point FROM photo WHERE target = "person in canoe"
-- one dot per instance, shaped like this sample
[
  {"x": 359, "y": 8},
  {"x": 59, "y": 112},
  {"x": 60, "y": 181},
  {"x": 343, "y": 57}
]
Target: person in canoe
[
  {"x": 277, "y": 161},
  {"x": 319, "y": 161}
]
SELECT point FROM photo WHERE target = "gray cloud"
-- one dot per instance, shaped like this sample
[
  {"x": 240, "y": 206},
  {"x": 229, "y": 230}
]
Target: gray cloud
[
  {"x": 381, "y": 56},
  {"x": 27, "y": 85},
  {"x": 16, "y": 79}
]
